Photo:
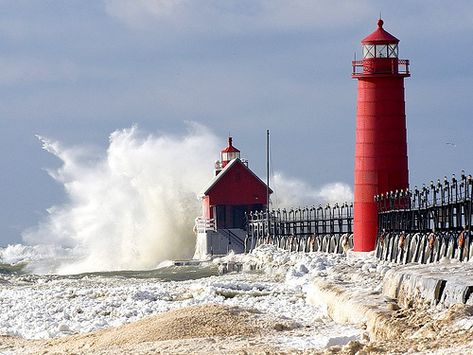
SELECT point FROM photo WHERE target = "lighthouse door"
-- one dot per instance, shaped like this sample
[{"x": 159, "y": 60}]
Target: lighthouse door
[{"x": 220, "y": 214}]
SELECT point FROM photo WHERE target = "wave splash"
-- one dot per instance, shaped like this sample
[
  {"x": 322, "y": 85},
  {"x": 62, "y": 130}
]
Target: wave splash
[{"x": 132, "y": 207}]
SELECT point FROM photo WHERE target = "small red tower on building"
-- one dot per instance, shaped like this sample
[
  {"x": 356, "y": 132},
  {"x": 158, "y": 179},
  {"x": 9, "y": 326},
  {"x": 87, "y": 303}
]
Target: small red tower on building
[
  {"x": 234, "y": 191},
  {"x": 226, "y": 155},
  {"x": 381, "y": 143}
]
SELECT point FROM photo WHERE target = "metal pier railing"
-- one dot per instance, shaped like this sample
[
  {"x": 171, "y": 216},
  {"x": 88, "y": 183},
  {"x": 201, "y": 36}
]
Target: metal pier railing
[
  {"x": 322, "y": 228},
  {"x": 428, "y": 223}
]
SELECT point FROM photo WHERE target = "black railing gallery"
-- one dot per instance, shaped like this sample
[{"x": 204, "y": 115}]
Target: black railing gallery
[
  {"x": 323, "y": 228},
  {"x": 428, "y": 223},
  {"x": 420, "y": 225}
]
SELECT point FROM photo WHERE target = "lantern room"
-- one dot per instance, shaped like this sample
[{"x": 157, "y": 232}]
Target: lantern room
[
  {"x": 380, "y": 51},
  {"x": 227, "y": 155},
  {"x": 380, "y": 44}
]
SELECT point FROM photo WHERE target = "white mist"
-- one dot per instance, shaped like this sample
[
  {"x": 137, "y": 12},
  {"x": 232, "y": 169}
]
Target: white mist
[{"x": 134, "y": 206}]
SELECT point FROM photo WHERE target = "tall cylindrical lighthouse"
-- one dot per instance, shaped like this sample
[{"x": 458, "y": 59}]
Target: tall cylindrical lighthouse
[{"x": 381, "y": 143}]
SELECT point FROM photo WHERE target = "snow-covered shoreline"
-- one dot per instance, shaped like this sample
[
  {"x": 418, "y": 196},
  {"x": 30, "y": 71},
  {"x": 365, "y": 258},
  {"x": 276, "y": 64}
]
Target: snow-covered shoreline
[
  {"x": 42, "y": 307},
  {"x": 329, "y": 300}
]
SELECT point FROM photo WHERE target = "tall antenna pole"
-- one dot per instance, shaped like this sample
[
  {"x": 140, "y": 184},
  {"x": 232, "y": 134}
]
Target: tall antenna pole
[{"x": 267, "y": 180}]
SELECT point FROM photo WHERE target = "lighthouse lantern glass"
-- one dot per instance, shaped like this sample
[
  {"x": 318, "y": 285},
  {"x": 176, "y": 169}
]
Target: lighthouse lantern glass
[
  {"x": 393, "y": 50},
  {"x": 368, "y": 51},
  {"x": 230, "y": 156},
  {"x": 381, "y": 51}
]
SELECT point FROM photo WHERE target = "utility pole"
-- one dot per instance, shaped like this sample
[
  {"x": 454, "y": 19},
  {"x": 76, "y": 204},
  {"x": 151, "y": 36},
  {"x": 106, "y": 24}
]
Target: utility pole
[{"x": 267, "y": 181}]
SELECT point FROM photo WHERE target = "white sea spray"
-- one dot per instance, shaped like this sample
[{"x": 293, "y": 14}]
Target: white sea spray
[{"x": 132, "y": 207}]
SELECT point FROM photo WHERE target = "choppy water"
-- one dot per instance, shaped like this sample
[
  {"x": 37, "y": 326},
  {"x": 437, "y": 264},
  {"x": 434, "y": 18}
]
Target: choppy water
[
  {"x": 9, "y": 269},
  {"x": 17, "y": 260},
  {"x": 168, "y": 273}
]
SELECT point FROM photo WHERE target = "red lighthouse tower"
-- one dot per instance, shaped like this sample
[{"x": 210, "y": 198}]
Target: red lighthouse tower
[{"x": 381, "y": 144}]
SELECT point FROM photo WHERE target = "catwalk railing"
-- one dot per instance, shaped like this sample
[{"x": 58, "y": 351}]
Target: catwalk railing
[
  {"x": 378, "y": 66},
  {"x": 203, "y": 225},
  {"x": 426, "y": 224},
  {"x": 323, "y": 228}
]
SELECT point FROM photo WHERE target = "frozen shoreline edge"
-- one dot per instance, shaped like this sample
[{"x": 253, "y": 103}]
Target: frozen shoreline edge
[
  {"x": 409, "y": 314},
  {"x": 352, "y": 290}
]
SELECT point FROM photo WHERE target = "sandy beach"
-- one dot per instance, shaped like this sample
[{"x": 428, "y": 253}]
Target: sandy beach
[
  {"x": 200, "y": 329},
  {"x": 216, "y": 329}
]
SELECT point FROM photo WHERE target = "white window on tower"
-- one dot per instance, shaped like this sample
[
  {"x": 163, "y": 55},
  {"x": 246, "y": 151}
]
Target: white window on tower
[
  {"x": 233, "y": 155},
  {"x": 368, "y": 51},
  {"x": 392, "y": 51},
  {"x": 230, "y": 156},
  {"x": 381, "y": 51}
]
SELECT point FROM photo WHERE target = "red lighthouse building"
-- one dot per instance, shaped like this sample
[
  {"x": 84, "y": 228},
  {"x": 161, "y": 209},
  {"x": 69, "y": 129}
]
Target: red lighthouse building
[
  {"x": 381, "y": 143},
  {"x": 234, "y": 191}
]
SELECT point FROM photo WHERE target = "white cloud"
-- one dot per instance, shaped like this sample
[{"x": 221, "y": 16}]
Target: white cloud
[
  {"x": 250, "y": 16},
  {"x": 293, "y": 192}
]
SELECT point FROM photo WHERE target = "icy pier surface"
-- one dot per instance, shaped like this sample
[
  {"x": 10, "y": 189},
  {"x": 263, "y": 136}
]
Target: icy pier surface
[
  {"x": 446, "y": 283},
  {"x": 422, "y": 309},
  {"x": 351, "y": 292}
]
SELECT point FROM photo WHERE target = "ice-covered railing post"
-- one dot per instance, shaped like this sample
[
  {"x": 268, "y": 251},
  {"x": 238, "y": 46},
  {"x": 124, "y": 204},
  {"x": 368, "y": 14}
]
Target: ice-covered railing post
[
  {"x": 307, "y": 228},
  {"x": 426, "y": 224}
]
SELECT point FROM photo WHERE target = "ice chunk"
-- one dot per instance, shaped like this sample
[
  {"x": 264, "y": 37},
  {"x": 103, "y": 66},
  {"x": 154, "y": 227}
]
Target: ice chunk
[
  {"x": 63, "y": 328},
  {"x": 341, "y": 340}
]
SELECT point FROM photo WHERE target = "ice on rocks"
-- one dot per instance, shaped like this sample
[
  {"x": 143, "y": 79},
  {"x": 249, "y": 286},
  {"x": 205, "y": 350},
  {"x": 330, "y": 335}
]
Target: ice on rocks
[
  {"x": 457, "y": 291},
  {"x": 437, "y": 283},
  {"x": 144, "y": 296},
  {"x": 63, "y": 327}
]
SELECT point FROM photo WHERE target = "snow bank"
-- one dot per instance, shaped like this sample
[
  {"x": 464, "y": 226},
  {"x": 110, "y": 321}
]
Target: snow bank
[
  {"x": 40, "y": 306},
  {"x": 309, "y": 289}
]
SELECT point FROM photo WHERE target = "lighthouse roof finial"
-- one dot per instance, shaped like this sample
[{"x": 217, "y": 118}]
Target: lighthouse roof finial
[
  {"x": 230, "y": 147},
  {"x": 380, "y": 36}
]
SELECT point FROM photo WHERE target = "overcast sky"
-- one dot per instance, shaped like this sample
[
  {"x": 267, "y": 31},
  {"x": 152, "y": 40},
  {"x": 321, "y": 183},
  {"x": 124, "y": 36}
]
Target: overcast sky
[{"x": 75, "y": 71}]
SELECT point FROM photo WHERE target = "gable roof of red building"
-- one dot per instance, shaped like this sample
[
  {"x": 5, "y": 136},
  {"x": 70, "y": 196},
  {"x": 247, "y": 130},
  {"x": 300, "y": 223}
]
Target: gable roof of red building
[{"x": 224, "y": 171}]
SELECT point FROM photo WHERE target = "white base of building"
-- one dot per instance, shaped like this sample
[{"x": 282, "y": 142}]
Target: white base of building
[{"x": 219, "y": 242}]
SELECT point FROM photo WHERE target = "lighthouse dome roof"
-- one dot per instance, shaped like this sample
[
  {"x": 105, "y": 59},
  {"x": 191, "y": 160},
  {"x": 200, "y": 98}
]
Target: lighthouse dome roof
[
  {"x": 230, "y": 148},
  {"x": 380, "y": 36}
]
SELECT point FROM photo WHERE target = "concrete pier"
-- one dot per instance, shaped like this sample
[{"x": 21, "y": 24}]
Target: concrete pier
[{"x": 445, "y": 283}]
